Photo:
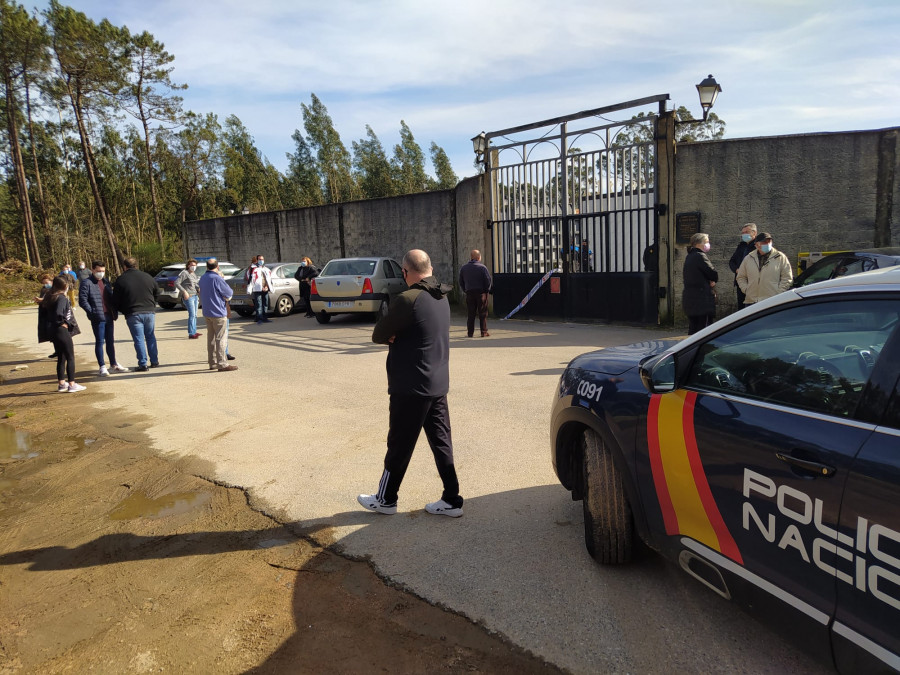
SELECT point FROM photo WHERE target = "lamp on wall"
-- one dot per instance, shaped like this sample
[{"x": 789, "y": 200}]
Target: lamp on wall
[
  {"x": 479, "y": 143},
  {"x": 708, "y": 90}
]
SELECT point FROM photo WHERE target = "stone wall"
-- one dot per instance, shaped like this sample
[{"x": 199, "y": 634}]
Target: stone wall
[{"x": 812, "y": 192}]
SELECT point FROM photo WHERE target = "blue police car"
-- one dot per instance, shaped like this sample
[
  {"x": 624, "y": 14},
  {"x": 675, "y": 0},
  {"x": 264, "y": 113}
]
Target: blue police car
[{"x": 761, "y": 455}]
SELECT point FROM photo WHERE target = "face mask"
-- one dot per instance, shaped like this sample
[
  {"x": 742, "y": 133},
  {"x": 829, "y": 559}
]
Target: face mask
[
  {"x": 81, "y": 267},
  {"x": 765, "y": 248},
  {"x": 706, "y": 247},
  {"x": 48, "y": 285},
  {"x": 191, "y": 268},
  {"x": 746, "y": 238},
  {"x": 303, "y": 264},
  {"x": 99, "y": 275},
  {"x": 260, "y": 262}
]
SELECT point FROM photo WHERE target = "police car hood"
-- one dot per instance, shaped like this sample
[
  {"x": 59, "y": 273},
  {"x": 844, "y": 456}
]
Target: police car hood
[{"x": 617, "y": 360}]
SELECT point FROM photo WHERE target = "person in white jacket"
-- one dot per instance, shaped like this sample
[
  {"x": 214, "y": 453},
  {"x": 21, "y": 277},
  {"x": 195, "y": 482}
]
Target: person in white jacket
[
  {"x": 764, "y": 272},
  {"x": 259, "y": 283}
]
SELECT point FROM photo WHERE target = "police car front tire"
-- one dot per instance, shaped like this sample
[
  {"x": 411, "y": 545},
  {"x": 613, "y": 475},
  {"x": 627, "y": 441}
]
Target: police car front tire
[{"x": 608, "y": 521}]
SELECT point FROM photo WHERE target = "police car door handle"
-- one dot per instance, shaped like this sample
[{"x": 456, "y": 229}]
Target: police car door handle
[{"x": 814, "y": 467}]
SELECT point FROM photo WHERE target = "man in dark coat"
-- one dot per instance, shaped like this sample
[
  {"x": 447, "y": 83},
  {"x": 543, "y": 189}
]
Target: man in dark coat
[
  {"x": 700, "y": 277},
  {"x": 748, "y": 234},
  {"x": 417, "y": 332},
  {"x": 475, "y": 282},
  {"x": 95, "y": 297},
  {"x": 134, "y": 295}
]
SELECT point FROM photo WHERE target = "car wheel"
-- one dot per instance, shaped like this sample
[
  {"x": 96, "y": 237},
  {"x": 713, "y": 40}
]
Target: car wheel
[
  {"x": 284, "y": 305},
  {"x": 244, "y": 312},
  {"x": 608, "y": 521},
  {"x": 167, "y": 305},
  {"x": 322, "y": 317},
  {"x": 382, "y": 310}
]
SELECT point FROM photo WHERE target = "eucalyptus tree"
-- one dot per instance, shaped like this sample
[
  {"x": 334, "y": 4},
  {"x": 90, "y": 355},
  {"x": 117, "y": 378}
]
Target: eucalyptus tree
[
  {"x": 20, "y": 35},
  {"x": 408, "y": 164},
  {"x": 333, "y": 159},
  {"x": 303, "y": 181},
  {"x": 250, "y": 180},
  {"x": 92, "y": 62},
  {"x": 148, "y": 97},
  {"x": 371, "y": 167},
  {"x": 445, "y": 177}
]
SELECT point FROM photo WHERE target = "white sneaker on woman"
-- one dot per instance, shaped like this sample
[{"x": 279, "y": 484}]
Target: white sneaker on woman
[
  {"x": 76, "y": 387},
  {"x": 119, "y": 369}
]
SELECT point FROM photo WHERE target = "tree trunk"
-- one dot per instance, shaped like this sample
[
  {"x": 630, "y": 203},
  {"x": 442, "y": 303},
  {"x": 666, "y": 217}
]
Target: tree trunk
[
  {"x": 153, "y": 198},
  {"x": 87, "y": 152},
  {"x": 19, "y": 170},
  {"x": 41, "y": 202}
]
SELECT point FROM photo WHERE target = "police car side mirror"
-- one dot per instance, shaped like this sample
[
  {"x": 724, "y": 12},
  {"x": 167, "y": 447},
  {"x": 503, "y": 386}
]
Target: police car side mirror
[{"x": 658, "y": 374}]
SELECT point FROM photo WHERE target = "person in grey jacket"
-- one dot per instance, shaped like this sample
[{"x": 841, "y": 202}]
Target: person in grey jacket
[
  {"x": 188, "y": 285},
  {"x": 95, "y": 297},
  {"x": 700, "y": 277},
  {"x": 417, "y": 332}
]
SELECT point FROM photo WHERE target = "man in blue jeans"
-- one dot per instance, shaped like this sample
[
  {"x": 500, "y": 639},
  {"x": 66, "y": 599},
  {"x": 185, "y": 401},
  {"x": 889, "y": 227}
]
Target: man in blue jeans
[
  {"x": 134, "y": 295},
  {"x": 259, "y": 283},
  {"x": 95, "y": 297}
]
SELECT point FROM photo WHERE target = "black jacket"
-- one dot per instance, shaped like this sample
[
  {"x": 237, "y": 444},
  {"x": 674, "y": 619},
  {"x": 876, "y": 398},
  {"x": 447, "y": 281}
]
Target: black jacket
[
  {"x": 418, "y": 359},
  {"x": 698, "y": 298},
  {"x": 135, "y": 293},
  {"x": 51, "y": 317},
  {"x": 738, "y": 256},
  {"x": 306, "y": 273}
]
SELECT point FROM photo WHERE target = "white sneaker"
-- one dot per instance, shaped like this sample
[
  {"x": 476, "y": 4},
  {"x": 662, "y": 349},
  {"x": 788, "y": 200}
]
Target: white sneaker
[
  {"x": 104, "y": 372},
  {"x": 372, "y": 503},
  {"x": 62, "y": 389},
  {"x": 442, "y": 508},
  {"x": 119, "y": 369},
  {"x": 76, "y": 387}
]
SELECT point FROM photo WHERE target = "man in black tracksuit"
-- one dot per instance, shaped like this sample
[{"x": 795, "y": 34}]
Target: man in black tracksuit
[{"x": 417, "y": 332}]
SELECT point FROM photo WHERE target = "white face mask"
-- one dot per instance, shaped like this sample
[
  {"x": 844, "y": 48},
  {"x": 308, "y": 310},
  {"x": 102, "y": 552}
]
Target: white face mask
[
  {"x": 81, "y": 266},
  {"x": 706, "y": 247},
  {"x": 99, "y": 275},
  {"x": 191, "y": 268},
  {"x": 260, "y": 262}
]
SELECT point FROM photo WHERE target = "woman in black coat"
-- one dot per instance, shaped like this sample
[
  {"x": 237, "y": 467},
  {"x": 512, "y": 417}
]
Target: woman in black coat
[
  {"x": 56, "y": 323},
  {"x": 305, "y": 274},
  {"x": 700, "y": 277}
]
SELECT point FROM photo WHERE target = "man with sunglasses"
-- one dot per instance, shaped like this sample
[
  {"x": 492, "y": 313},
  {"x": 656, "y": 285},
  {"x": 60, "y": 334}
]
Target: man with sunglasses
[{"x": 417, "y": 332}]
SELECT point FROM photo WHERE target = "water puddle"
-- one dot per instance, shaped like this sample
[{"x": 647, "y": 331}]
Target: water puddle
[
  {"x": 15, "y": 445},
  {"x": 139, "y": 505}
]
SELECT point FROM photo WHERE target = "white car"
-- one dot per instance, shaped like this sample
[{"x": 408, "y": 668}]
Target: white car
[
  {"x": 169, "y": 296},
  {"x": 354, "y": 285}
]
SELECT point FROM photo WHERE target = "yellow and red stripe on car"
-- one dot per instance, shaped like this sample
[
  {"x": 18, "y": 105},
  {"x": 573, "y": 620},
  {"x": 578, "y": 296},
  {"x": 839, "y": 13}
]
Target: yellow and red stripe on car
[{"x": 686, "y": 501}]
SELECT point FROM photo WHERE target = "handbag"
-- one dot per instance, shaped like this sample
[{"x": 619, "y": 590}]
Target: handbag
[{"x": 72, "y": 323}]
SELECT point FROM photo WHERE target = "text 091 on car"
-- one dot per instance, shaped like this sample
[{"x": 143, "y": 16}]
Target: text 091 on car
[{"x": 762, "y": 456}]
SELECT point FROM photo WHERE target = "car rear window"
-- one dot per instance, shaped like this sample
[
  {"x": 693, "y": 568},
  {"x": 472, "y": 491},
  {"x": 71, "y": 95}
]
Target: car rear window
[
  {"x": 349, "y": 268},
  {"x": 170, "y": 272}
]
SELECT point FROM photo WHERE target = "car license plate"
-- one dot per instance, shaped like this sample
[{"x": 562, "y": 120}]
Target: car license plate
[
  {"x": 240, "y": 301},
  {"x": 340, "y": 304}
]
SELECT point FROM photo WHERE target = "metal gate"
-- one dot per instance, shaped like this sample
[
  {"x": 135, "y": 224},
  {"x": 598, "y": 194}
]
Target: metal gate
[{"x": 581, "y": 198}]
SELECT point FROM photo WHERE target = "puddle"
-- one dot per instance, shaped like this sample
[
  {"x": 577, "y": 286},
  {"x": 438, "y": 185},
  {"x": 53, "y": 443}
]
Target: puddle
[
  {"x": 80, "y": 442},
  {"x": 15, "y": 445},
  {"x": 139, "y": 505}
]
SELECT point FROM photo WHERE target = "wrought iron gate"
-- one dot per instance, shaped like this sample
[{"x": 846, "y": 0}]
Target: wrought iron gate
[{"x": 580, "y": 199}]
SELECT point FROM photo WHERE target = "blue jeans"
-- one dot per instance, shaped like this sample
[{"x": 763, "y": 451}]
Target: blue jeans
[
  {"x": 141, "y": 327},
  {"x": 260, "y": 300},
  {"x": 103, "y": 333},
  {"x": 191, "y": 304}
]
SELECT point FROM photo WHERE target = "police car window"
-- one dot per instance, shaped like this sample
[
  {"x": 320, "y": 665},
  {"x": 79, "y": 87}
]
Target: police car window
[{"x": 815, "y": 357}]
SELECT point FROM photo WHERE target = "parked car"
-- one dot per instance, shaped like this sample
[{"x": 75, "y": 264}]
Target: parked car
[
  {"x": 169, "y": 296},
  {"x": 351, "y": 285},
  {"x": 284, "y": 295},
  {"x": 846, "y": 263},
  {"x": 761, "y": 456}
]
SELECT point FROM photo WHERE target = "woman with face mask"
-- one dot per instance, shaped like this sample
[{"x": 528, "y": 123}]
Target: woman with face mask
[
  {"x": 305, "y": 274},
  {"x": 700, "y": 277},
  {"x": 188, "y": 285},
  {"x": 56, "y": 323},
  {"x": 765, "y": 271}
]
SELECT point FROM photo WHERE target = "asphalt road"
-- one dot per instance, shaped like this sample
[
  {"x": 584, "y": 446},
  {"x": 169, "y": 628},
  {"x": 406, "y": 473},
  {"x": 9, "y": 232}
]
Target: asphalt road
[{"x": 301, "y": 426}]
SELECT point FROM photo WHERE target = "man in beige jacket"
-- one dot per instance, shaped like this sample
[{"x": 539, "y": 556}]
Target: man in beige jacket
[{"x": 764, "y": 272}]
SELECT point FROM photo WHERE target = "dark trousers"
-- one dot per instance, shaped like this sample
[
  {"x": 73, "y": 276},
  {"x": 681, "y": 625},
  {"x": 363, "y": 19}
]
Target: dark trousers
[
  {"x": 65, "y": 355},
  {"x": 305, "y": 292},
  {"x": 476, "y": 303},
  {"x": 740, "y": 297},
  {"x": 104, "y": 335},
  {"x": 409, "y": 414},
  {"x": 260, "y": 302},
  {"x": 700, "y": 322}
]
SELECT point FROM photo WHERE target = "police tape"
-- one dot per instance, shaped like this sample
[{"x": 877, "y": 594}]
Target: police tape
[{"x": 531, "y": 293}]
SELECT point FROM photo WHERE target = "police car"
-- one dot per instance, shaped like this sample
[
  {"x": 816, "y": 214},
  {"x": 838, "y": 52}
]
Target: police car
[{"x": 761, "y": 455}]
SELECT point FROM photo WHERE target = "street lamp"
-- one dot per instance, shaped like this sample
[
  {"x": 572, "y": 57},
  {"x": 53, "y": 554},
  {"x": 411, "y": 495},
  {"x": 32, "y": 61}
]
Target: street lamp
[
  {"x": 479, "y": 143},
  {"x": 708, "y": 90}
]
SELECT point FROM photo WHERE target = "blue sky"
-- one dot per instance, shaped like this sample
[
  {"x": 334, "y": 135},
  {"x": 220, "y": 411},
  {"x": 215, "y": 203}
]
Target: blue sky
[{"x": 453, "y": 69}]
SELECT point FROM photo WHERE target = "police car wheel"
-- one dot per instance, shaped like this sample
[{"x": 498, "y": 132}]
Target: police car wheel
[{"x": 608, "y": 521}]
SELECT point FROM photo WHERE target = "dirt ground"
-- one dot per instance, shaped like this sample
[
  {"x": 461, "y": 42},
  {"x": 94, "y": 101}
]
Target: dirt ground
[{"x": 113, "y": 559}]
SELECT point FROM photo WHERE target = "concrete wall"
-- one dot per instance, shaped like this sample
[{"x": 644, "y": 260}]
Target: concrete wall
[{"x": 813, "y": 192}]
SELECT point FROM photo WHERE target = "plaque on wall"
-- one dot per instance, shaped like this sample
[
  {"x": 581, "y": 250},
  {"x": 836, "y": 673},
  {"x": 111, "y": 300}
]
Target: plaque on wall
[{"x": 686, "y": 224}]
